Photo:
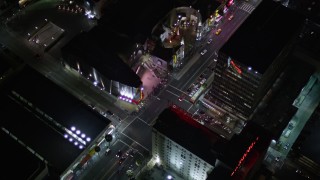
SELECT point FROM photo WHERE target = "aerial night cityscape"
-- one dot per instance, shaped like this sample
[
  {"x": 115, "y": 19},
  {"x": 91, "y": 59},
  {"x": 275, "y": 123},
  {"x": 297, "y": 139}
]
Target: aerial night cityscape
[{"x": 160, "y": 89}]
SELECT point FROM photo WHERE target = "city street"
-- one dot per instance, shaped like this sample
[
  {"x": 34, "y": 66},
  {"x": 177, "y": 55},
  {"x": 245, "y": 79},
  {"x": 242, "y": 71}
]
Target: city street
[{"x": 133, "y": 131}]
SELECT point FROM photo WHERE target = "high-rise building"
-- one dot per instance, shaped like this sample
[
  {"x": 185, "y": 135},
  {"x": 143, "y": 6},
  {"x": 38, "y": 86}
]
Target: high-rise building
[
  {"x": 253, "y": 58},
  {"x": 182, "y": 147},
  {"x": 193, "y": 151}
]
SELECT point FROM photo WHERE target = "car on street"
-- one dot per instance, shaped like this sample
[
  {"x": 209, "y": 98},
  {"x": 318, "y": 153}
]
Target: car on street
[
  {"x": 203, "y": 52},
  {"x": 119, "y": 154},
  {"x": 181, "y": 98},
  {"x": 209, "y": 41},
  {"x": 230, "y": 17},
  {"x": 122, "y": 159},
  {"x": 218, "y": 31},
  {"x": 130, "y": 153},
  {"x": 107, "y": 152}
]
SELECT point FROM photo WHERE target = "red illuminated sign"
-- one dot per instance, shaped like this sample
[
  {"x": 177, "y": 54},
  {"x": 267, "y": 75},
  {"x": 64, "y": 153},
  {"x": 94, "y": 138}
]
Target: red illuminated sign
[
  {"x": 235, "y": 67},
  {"x": 244, "y": 156}
]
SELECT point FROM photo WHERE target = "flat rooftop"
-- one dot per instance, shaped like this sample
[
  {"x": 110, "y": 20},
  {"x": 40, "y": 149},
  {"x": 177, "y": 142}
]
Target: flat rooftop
[
  {"x": 277, "y": 114},
  {"x": 47, "y": 35},
  {"x": 198, "y": 139},
  {"x": 189, "y": 134},
  {"x": 101, "y": 56},
  {"x": 137, "y": 18},
  {"x": 263, "y": 35},
  {"x": 42, "y": 113},
  {"x": 4, "y": 65},
  {"x": 310, "y": 135},
  {"x": 12, "y": 152}
]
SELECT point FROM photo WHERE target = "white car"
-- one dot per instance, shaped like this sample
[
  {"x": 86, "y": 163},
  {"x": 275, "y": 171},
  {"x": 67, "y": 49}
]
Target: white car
[
  {"x": 209, "y": 41},
  {"x": 107, "y": 151},
  {"x": 203, "y": 52}
]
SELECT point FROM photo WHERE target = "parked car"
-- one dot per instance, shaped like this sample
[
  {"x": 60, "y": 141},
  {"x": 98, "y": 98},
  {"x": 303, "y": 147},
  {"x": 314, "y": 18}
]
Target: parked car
[{"x": 286, "y": 146}]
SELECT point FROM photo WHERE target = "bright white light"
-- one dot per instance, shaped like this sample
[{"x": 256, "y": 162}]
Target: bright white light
[
  {"x": 88, "y": 139},
  {"x": 73, "y": 128},
  {"x": 80, "y": 147},
  {"x": 95, "y": 83},
  {"x": 89, "y": 14},
  {"x": 76, "y": 143},
  {"x": 65, "y": 135},
  {"x": 249, "y": 68},
  {"x": 78, "y": 132},
  {"x": 169, "y": 177},
  {"x": 157, "y": 160},
  {"x": 70, "y": 139},
  {"x": 83, "y": 135}
]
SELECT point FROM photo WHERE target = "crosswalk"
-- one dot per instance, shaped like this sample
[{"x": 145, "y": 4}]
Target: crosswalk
[{"x": 247, "y": 7}]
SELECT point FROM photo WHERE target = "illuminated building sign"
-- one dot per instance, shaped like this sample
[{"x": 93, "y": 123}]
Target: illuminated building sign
[
  {"x": 244, "y": 156},
  {"x": 235, "y": 67},
  {"x": 230, "y": 2}
]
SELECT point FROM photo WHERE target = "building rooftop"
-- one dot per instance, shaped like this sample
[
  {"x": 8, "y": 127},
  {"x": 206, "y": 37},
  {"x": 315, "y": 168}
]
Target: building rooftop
[
  {"x": 42, "y": 114},
  {"x": 163, "y": 53},
  {"x": 135, "y": 18},
  {"x": 220, "y": 172},
  {"x": 189, "y": 134},
  {"x": 12, "y": 152},
  {"x": 209, "y": 146},
  {"x": 263, "y": 35},
  {"x": 4, "y": 66},
  {"x": 206, "y": 8},
  {"x": 310, "y": 40},
  {"x": 275, "y": 116},
  {"x": 104, "y": 59},
  {"x": 309, "y": 137}
]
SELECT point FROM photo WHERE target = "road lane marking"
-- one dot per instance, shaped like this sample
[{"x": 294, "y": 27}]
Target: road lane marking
[
  {"x": 190, "y": 107},
  {"x": 135, "y": 141},
  {"x": 177, "y": 89},
  {"x": 142, "y": 120},
  {"x": 128, "y": 125},
  {"x": 172, "y": 93}
]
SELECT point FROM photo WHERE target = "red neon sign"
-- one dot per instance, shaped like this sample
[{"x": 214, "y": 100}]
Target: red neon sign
[
  {"x": 244, "y": 156},
  {"x": 235, "y": 67}
]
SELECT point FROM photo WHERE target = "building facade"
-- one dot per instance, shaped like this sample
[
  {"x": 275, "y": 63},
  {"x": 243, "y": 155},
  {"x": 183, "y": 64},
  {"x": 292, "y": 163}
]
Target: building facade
[
  {"x": 252, "y": 60},
  {"x": 178, "y": 158}
]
